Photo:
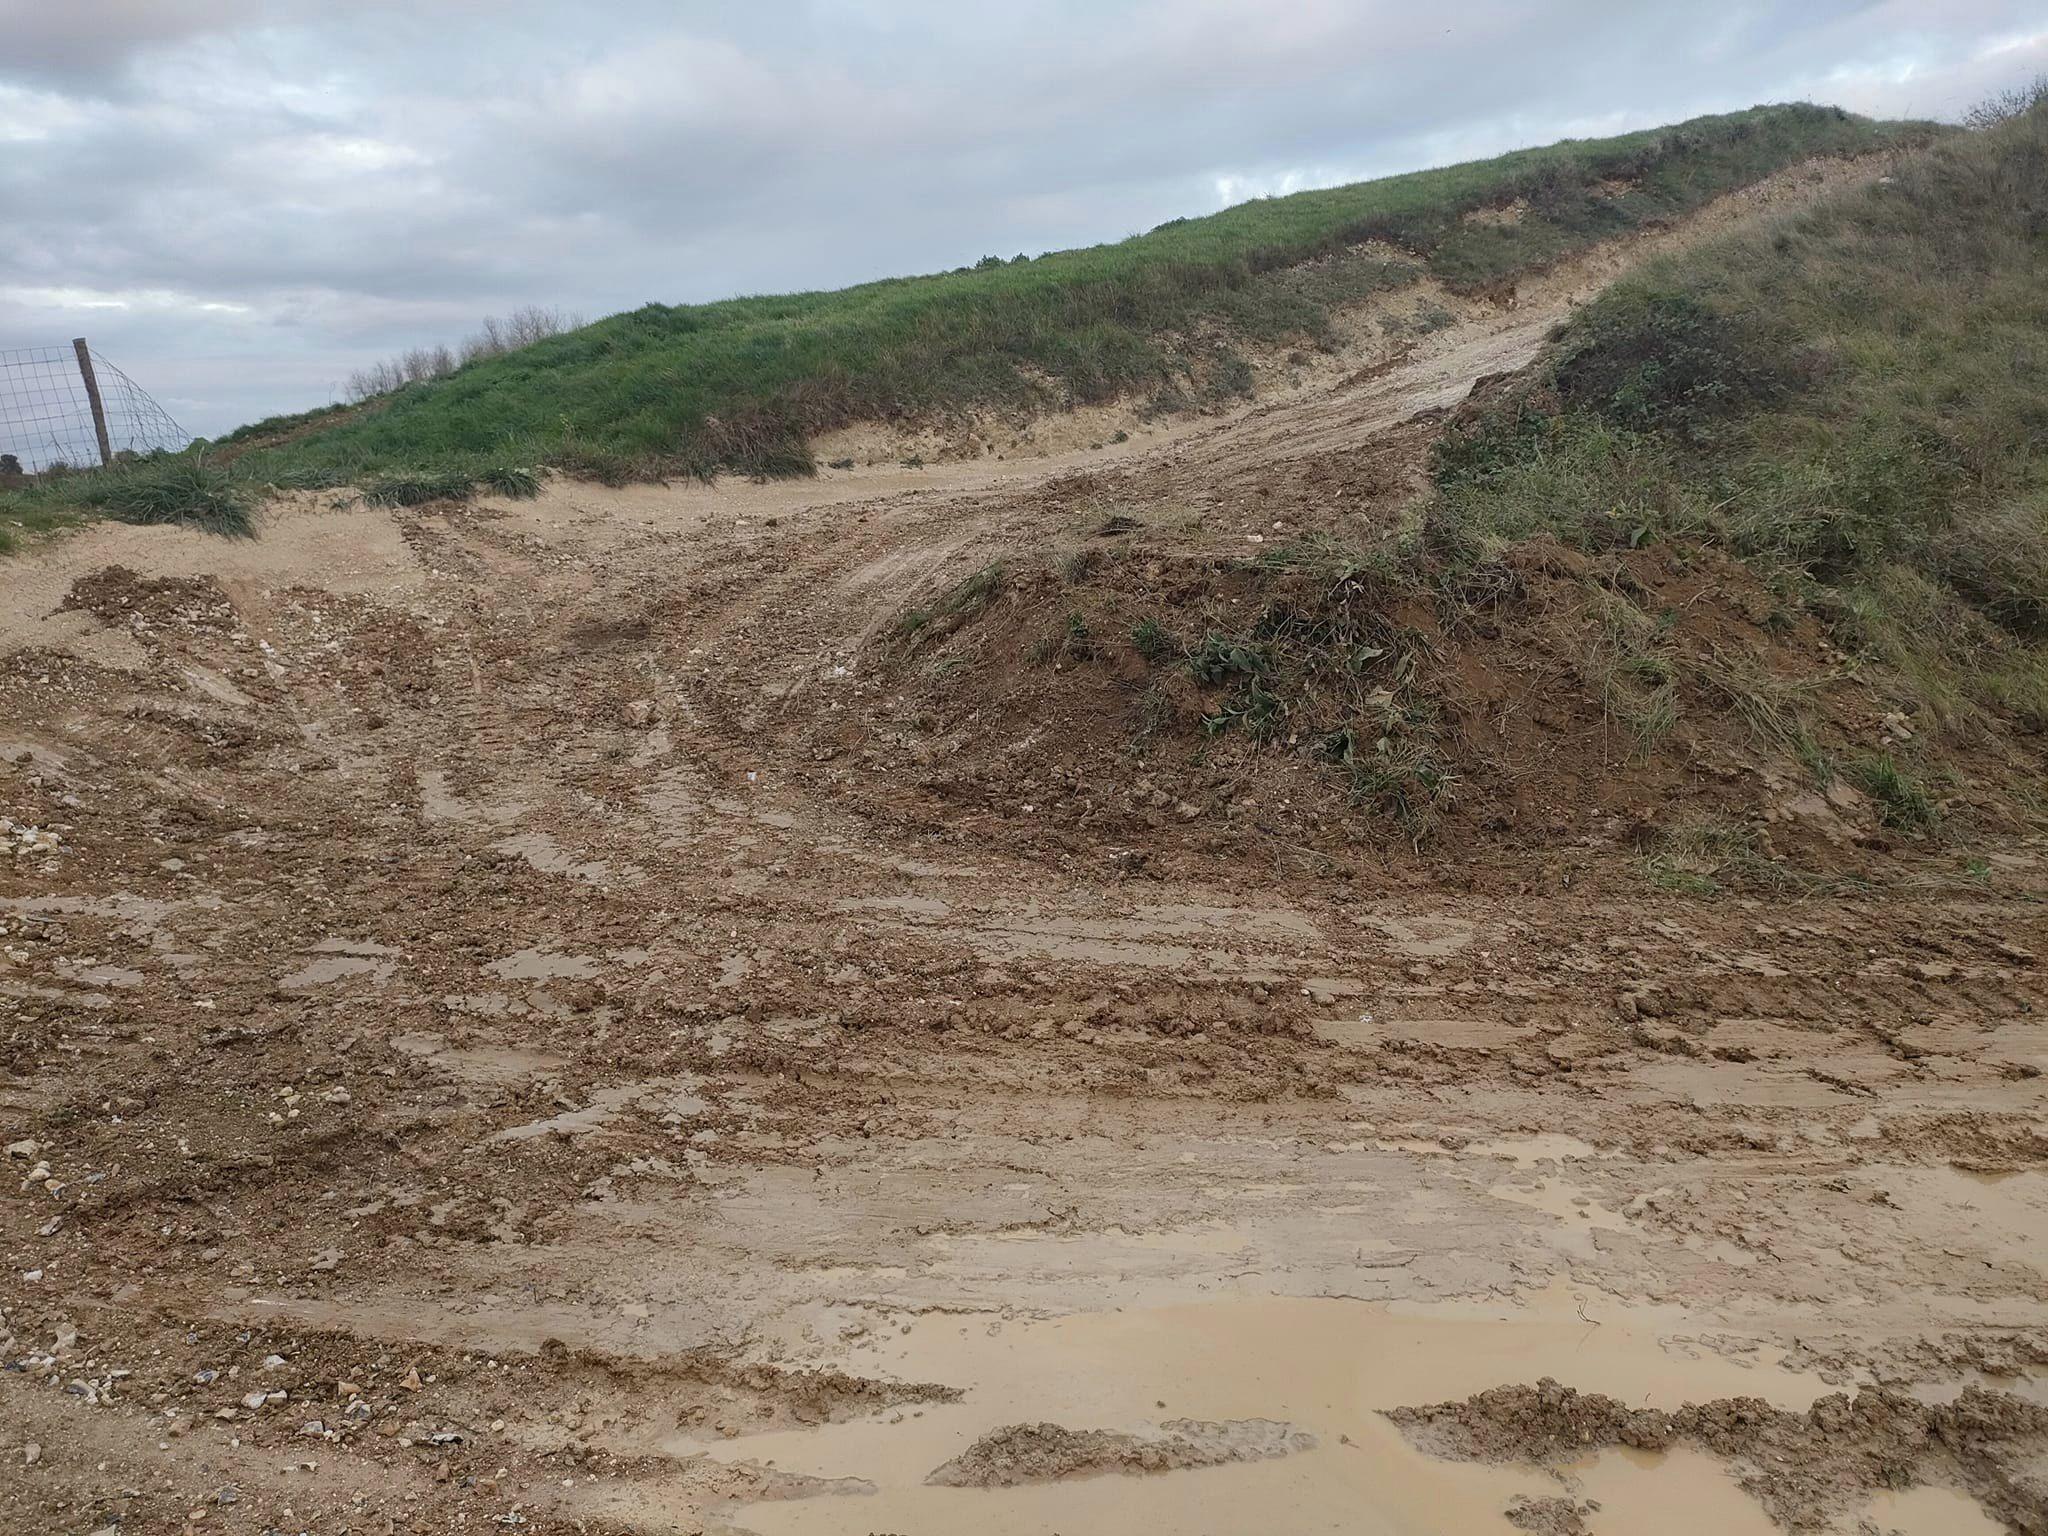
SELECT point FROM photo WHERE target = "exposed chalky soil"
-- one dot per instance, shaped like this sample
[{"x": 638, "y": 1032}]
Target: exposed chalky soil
[{"x": 509, "y": 1021}]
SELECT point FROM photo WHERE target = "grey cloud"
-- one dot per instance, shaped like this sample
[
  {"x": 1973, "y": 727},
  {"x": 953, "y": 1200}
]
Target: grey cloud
[{"x": 82, "y": 41}]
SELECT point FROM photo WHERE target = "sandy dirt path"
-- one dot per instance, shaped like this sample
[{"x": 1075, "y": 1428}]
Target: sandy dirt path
[{"x": 476, "y": 1061}]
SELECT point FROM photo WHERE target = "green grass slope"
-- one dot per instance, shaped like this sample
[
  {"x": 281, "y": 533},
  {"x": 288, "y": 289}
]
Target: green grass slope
[
  {"x": 1855, "y": 402},
  {"x": 741, "y": 385}
]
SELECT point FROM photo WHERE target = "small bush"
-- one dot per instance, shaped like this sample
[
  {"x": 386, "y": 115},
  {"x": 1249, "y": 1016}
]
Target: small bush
[
  {"x": 1665, "y": 362},
  {"x": 2003, "y": 107},
  {"x": 418, "y": 487}
]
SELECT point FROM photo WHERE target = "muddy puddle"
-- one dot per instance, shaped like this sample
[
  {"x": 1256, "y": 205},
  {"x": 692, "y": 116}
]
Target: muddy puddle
[
  {"x": 549, "y": 857},
  {"x": 1312, "y": 1374},
  {"x": 542, "y": 964}
]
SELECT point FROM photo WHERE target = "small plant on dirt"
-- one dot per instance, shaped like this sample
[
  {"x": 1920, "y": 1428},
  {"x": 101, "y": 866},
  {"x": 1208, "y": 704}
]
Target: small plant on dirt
[
  {"x": 1255, "y": 709},
  {"x": 1252, "y": 705},
  {"x": 1641, "y": 693},
  {"x": 1077, "y": 644},
  {"x": 1902, "y": 803},
  {"x": 1153, "y": 640},
  {"x": 1079, "y": 564},
  {"x": 1220, "y": 659},
  {"x": 1774, "y": 708},
  {"x": 1156, "y": 713},
  {"x": 1689, "y": 857},
  {"x": 1701, "y": 858},
  {"x": 1676, "y": 878}
]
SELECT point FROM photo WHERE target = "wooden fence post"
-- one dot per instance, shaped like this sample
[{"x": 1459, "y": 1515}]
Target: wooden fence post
[{"x": 92, "y": 393}]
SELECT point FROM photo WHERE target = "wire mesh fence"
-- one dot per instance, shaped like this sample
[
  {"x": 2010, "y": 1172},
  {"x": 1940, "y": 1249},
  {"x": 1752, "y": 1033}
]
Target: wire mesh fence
[{"x": 46, "y": 411}]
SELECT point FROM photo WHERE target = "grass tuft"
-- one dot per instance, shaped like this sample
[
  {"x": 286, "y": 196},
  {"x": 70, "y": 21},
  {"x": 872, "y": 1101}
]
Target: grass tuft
[
  {"x": 414, "y": 488},
  {"x": 183, "y": 490},
  {"x": 1902, "y": 802}
]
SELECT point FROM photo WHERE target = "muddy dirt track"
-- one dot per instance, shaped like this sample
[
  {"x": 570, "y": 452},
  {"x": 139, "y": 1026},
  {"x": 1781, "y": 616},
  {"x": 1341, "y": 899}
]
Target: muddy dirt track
[{"x": 498, "y": 1038}]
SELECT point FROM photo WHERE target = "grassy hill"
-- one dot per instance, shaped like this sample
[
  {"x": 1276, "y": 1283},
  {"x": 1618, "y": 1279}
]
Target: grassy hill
[{"x": 741, "y": 385}]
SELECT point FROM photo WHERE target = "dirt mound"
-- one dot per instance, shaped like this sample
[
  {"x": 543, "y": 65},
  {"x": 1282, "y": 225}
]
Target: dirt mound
[
  {"x": 1133, "y": 683},
  {"x": 1043, "y": 1453},
  {"x": 1805, "y": 1468},
  {"x": 1550, "y": 1517},
  {"x": 118, "y": 596}
]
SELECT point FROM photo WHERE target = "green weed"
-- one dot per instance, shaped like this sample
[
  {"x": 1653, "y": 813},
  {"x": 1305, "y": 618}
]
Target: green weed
[{"x": 1153, "y": 641}]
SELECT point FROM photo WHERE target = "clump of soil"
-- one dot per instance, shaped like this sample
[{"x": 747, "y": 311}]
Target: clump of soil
[
  {"x": 117, "y": 596},
  {"x": 1803, "y": 1467},
  {"x": 1044, "y": 1453},
  {"x": 1549, "y": 1517}
]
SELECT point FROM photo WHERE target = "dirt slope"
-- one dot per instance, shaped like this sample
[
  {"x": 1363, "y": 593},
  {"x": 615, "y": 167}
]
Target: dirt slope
[{"x": 504, "y": 1026}]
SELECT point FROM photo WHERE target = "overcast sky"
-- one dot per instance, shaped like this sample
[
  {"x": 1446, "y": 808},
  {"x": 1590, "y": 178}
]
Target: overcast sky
[{"x": 239, "y": 201}]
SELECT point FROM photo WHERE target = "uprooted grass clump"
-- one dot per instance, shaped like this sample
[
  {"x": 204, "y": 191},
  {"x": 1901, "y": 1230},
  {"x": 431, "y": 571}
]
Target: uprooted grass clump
[
  {"x": 742, "y": 385},
  {"x": 959, "y": 605},
  {"x": 1852, "y": 401}
]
